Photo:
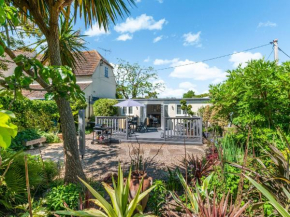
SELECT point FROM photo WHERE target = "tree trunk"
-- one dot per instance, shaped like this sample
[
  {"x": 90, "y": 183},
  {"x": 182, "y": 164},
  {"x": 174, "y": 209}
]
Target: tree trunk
[{"x": 73, "y": 166}]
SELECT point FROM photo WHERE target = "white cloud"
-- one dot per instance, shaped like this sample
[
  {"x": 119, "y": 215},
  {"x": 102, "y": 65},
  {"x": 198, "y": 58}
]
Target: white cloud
[
  {"x": 187, "y": 85},
  {"x": 159, "y": 38},
  {"x": 244, "y": 57},
  {"x": 96, "y": 31},
  {"x": 137, "y": 1},
  {"x": 143, "y": 22},
  {"x": 196, "y": 70},
  {"x": 169, "y": 92},
  {"x": 192, "y": 39},
  {"x": 160, "y": 1},
  {"x": 165, "y": 61},
  {"x": 147, "y": 60},
  {"x": 267, "y": 24},
  {"x": 124, "y": 37}
]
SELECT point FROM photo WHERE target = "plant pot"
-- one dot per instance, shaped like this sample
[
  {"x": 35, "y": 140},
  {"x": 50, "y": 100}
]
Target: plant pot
[
  {"x": 59, "y": 135},
  {"x": 135, "y": 182}
]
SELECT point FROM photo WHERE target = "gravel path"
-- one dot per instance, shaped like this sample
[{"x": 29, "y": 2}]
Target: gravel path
[{"x": 100, "y": 159}]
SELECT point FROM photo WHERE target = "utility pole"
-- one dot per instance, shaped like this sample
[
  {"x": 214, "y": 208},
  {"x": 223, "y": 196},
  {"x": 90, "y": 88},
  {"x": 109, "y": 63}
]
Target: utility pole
[{"x": 276, "y": 49}]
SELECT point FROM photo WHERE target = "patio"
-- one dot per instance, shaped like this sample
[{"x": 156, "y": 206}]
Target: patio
[{"x": 102, "y": 159}]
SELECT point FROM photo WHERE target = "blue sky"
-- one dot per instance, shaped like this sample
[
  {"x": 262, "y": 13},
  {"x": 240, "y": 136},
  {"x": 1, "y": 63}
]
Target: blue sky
[{"x": 164, "y": 33}]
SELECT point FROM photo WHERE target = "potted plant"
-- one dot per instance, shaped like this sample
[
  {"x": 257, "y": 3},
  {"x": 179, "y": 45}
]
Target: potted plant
[{"x": 139, "y": 165}]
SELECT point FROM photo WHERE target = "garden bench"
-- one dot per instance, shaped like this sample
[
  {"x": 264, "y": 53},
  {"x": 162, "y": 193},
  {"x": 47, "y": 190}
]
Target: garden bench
[{"x": 34, "y": 142}]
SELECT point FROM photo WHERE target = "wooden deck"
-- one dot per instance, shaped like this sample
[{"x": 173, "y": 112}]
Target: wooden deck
[{"x": 155, "y": 136}]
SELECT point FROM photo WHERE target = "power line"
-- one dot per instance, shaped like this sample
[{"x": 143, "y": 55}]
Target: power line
[
  {"x": 283, "y": 52},
  {"x": 214, "y": 58},
  {"x": 270, "y": 53}
]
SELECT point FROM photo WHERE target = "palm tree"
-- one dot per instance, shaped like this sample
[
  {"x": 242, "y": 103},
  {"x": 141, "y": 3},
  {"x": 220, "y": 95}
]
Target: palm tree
[
  {"x": 71, "y": 45},
  {"x": 45, "y": 14}
]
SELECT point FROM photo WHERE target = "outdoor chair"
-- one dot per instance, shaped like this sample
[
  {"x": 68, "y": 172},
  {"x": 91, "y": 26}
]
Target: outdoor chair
[
  {"x": 143, "y": 126},
  {"x": 155, "y": 122}
]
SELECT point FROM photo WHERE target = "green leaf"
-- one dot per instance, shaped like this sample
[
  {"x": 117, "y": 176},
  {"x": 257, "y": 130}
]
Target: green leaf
[
  {"x": 1, "y": 48},
  {"x": 18, "y": 71},
  {"x": 270, "y": 197}
]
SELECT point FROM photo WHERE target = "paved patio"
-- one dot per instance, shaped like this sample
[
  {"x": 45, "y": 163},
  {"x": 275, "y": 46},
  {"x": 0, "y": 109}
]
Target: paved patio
[{"x": 101, "y": 159}]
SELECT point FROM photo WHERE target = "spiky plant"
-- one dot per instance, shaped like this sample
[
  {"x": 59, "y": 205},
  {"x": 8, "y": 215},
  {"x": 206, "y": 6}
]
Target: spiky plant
[
  {"x": 212, "y": 208},
  {"x": 196, "y": 168},
  {"x": 119, "y": 195},
  {"x": 71, "y": 44}
]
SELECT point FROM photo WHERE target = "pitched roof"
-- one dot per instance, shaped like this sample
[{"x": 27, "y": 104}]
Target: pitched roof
[
  {"x": 85, "y": 66},
  {"x": 88, "y": 65},
  {"x": 31, "y": 94}
]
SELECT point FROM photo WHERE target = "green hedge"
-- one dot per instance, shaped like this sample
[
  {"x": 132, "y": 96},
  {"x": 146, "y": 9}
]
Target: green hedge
[
  {"x": 104, "y": 107},
  {"x": 32, "y": 114},
  {"x": 37, "y": 114}
]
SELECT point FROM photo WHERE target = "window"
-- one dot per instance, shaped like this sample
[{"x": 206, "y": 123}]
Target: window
[
  {"x": 130, "y": 110},
  {"x": 106, "y": 72},
  {"x": 126, "y": 111},
  {"x": 179, "y": 111}
]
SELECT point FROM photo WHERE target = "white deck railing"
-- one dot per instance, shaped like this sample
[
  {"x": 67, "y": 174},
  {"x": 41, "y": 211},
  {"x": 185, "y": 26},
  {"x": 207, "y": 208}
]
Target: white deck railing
[
  {"x": 119, "y": 124},
  {"x": 183, "y": 128}
]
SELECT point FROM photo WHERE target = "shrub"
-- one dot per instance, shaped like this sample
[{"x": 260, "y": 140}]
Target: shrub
[
  {"x": 37, "y": 114},
  {"x": 157, "y": 198},
  {"x": 104, "y": 107},
  {"x": 63, "y": 193},
  {"x": 31, "y": 134},
  {"x": 32, "y": 114},
  {"x": 12, "y": 187}
]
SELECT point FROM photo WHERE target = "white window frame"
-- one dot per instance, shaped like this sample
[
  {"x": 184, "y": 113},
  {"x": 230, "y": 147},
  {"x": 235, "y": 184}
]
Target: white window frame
[{"x": 127, "y": 111}]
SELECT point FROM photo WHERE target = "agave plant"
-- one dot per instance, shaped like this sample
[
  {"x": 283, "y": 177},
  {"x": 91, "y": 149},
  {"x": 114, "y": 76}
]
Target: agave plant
[{"x": 119, "y": 195}]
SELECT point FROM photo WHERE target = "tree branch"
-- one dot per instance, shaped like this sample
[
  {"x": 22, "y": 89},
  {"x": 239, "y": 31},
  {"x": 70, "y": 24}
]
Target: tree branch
[
  {"x": 32, "y": 6},
  {"x": 11, "y": 54}
]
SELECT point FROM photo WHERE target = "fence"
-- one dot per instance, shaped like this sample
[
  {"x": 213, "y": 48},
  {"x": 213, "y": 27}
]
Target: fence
[
  {"x": 119, "y": 124},
  {"x": 178, "y": 129},
  {"x": 189, "y": 128}
]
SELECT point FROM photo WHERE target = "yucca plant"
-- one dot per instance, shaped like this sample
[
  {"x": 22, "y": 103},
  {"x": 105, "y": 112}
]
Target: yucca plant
[{"x": 119, "y": 195}]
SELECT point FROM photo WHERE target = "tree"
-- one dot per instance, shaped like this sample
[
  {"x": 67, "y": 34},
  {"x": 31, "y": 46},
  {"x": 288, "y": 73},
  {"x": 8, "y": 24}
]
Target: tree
[
  {"x": 189, "y": 94},
  {"x": 57, "y": 80},
  {"x": 186, "y": 108},
  {"x": 134, "y": 81},
  {"x": 71, "y": 45},
  {"x": 256, "y": 96},
  {"x": 105, "y": 107}
]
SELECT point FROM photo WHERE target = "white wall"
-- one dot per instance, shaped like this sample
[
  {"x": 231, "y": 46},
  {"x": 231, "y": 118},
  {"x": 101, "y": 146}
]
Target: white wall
[
  {"x": 103, "y": 87},
  {"x": 82, "y": 78}
]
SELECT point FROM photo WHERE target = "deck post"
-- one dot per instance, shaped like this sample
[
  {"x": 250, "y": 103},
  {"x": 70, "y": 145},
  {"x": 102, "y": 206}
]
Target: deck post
[
  {"x": 164, "y": 130},
  {"x": 127, "y": 128},
  {"x": 200, "y": 129}
]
